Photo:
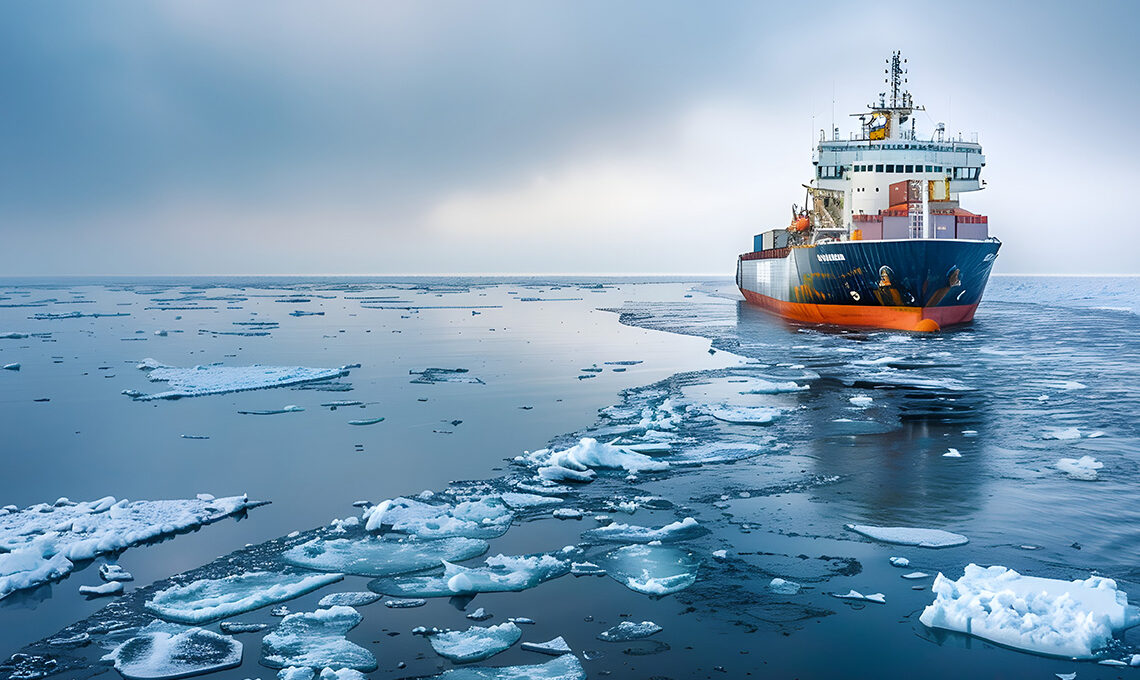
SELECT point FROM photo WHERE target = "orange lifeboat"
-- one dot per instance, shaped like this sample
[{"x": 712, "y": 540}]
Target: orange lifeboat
[{"x": 799, "y": 224}]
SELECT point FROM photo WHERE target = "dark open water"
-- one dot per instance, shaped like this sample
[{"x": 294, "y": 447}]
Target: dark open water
[{"x": 824, "y": 463}]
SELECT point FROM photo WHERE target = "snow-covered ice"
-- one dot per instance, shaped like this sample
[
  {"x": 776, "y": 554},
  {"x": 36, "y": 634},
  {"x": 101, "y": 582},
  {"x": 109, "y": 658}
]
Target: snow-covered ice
[
  {"x": 555, "y": 647},
  {"x": 683, "y": 530},
  {"x": 565, "y": 667},
  {"x": 350, "y": 599},
  {"x": 858, "y": 596},
  {"x": 40, "y": 543},
  {"x": 745, "y": 415},
  {"x": 900, "y": 562},
  {"x": 761, "y": 386},
  {"x": 214, "y": 379},
  {"x": 922, "y": 538},
  {"x": 784, "y": 587},
  {"x": 212, "y": 599},
  {"x": 165, "y": 655},
  {"x": 502, "y": 573},
  {"x": 628, "y": 630},
  {"x": 486, "y": 517},
  {"x": 528, "y": 500},
  {"x": 476, "y": 643},
  {"x": 373, "y": 556},
  {"x": 1041, "y": 615},
  {"x": 589, "y": 454},
  {"x": 113, "y": 572},
  {"x": 566, "y": 513},
  {"x": 1083, "y": 468},
  {"x": 952, "y": 453},
  {"x": 102, "y": 590},
  {"x": 317, "y": 640},
  {"x": 1062, "y": 434},
  {"x": 651, "y": 569},
  {"x": 861, "y": 400}
]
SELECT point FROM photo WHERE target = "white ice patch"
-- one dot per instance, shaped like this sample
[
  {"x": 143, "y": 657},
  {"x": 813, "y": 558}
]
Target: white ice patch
[
  {"x": 317, "y": 640},
  {"x": 565, "y": 667},
  {"x": 212, "y": 599},
  {"x": 922, "y": 538},
  {"x": 651, "y": 569},
  {"x": 350, "y": 599},
  {"x": 163, "y": 655},
  {"x": 1083, "y": 468},
  {"x": 628, "y": 533},
  {"x": 783, "y": 587},
  {"x": 952, "y": 453},
  {"x": 476, "y": 643},
  {"x": 102, "y": 590},
  {"x": 487, "y": 517},
  {"x": 1062, "y": 434},
  {"x": 372, "y": 556},
  {"x": 628, "y": 630},
  {"x": 528, "y": 500},
  {"x": 555, "y": 647},
  {"x": 41, "y": 542},
  {"x": 745, "y": 415},
  {"x": 860, "y": 597},
  {"x": 202, "y": 380},
  {"x": 589, "y": 454},
  {"x": 761, "y": 386},
  {"x": 502, "y": 573},
  {"x": 861, "y": 400},
  {"x": 1040, "y": 615}
]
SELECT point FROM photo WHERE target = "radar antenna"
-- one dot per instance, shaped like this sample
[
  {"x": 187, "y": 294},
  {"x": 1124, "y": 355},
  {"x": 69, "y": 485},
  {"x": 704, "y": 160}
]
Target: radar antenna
[{"x": 900, "y": 98}]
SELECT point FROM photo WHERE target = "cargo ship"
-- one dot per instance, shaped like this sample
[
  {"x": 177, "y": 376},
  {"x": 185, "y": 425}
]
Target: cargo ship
[{"x": 882, "y": 239}]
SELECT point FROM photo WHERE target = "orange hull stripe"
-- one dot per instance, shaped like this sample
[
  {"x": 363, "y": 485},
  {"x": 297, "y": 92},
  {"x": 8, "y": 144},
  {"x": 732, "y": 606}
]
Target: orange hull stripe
[{"x": 901, "y": 318}]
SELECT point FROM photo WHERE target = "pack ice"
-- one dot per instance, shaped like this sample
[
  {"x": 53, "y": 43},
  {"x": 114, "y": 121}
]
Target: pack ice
[
  {"x": 164, "y": 655},
  {"x": 373, "y": 556},
  {"x": 317, "y": 640},
  {"x": 40, "y": 543},
  {"x": 486, "y": 517},
  {"x": 476, "y": 643},
  {"x": 212, "y": 599},
  {"x": 502, "y": 573},
  {"x": 214, "y": 379},
  {"x": 922, "y": 538},
  {"x": 684, "y": 530},
  {"x": 1040, "y": 615},
  {"x": 651, "y": 569},
  {"x": 565, "y": 667}
]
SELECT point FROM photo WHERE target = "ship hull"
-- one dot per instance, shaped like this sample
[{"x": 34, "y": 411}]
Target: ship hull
[{"x": 911, "y": 284}]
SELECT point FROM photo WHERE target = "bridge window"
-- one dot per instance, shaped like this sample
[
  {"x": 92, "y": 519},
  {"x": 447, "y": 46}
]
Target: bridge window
[
  {"x": 930, "y": 168},
  {"x": 910, "y": 168},
  {"x": 879, "y": 167}
]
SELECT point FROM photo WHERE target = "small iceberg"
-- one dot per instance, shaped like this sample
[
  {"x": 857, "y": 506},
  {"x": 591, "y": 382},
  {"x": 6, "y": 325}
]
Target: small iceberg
[
  {"x": 1083, "y": 468},
  {"x": 565, "y": 667},
  {"x": 351, "y": 599},
  {"x": 317, "y": 640},
  {"x": 589, "y": 454},
  {"x": 113, "y": 572},
  {"x": 372, "y": 556},
  {"x": 163, "y": 655},
  {"x": 922, "y": 538},
  {"x": 212, "y": 599},
  {"x": 627, "y": 631},
  {"x": 653, "y": 570},
  {"x": 684, "y": 530},
  {"x": 858, "y": 596},
  {"x": 476, "y": 643},
  {"x": 102, "y": 590},
  {"x": 1047, "y": 616},
  {"x": 203, "y": 380},
  {"x": 783, "y": 587},
  {"x": 555, "y": 647},
  {"x": 502, "y": 573}
]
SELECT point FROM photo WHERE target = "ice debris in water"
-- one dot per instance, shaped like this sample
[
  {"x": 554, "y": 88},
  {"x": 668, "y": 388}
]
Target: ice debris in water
[
  {"x": 745, "y": 415},
  {"x": 528, "y": 500},
  {"x": 214, "y": 379},
  {"x": 351, "y": 599},
  {"x": 233, "y": 627},
  {"x": 761, "y": 386},
  {"x": 41, "y": 542},
  {"x": 479, "y": 614},
  {"x": 915, "y": 575},
  {"x": 1039, "y": 615},
  {"x": 684, "y": 530},
  {"x": 784, "y": 587},
  {"x": 627, "y": 631},
  {"x": 578, "y": 462},
  {"x": 856, "y": 595},
  {"x": 922, "y": 538},
  {"x": 651, "y": 569},
  {"x": 566, "y": 513},
  {"x": 565, "y": 667},
  {"x": 1062, "y": 434},
  {"x": 502, "y": 573},
  {"x": 113, "y": 572},
  {"x": 164, "y": 655},
  {"x": 952, "y": 453},
  {"x": 476, "y": 643},
  {"x": 1083, "y": 468},
  {"x": 407, "y": 603},
  {"x": 102, "y": 590},
  {"x": 861, "y": 400},
  {"x": 555, "y": 647},
  {"x": 317, "y": 640},
  {"x": 487, "y": 517},
  {"x": 431, "y": 376},
  {"x": 900, "y": 562},
  {"x": 211, "y": 599},
  {"x": 12, "y": 367},
  {"x": 372, "y": 556}
]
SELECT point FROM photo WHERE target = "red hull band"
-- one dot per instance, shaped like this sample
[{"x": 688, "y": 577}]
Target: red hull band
[{"x": 902, "y": 318}]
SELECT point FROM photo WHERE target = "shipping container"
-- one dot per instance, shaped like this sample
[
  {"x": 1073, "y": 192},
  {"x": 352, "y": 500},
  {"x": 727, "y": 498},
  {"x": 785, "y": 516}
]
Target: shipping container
[
  {"x": 944, "y": 226},
  {"x": 758, "y": 243},
  {"x": 896, "y": 227},
  {"x": 977, "y": 231},
  {"x": 781, "y": 238},
  {"x": 769, "y": 240},
  {"x": 872, "y": 231},
  {"x": 939, "y": 190}
]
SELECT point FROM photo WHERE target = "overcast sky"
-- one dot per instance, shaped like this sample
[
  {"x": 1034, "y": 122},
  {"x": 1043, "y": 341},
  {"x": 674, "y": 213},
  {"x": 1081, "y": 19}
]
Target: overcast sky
[{"x": 220, "y": 137}]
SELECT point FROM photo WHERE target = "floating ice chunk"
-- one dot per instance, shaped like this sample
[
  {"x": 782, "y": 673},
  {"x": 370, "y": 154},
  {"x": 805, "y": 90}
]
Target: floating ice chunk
[
  {"x": 163, "y": 655},
  {"x": 296, "y": 673},
  {"x": 521, "y": 620},
  {"x": 567, "y": 513},
  {"x": 203, "y": 380},
  {"x": 291, "y": 408},
  {"x": 341, "y": 673},
  {"x": 783, "y": 587},
  {"x": 234, "y": 627},
  {"x": 565, "y": 667},
  {"x": 11, "y": 335},
  {"x": 720, "y": 554},
  {"x": 351, "y": 599},
  {"x": 486, "y": 517},
  {"x": 745, "y": 415},
  {"x": 589, "y": 454},
  {"x": 41, "y": 542},
  {"x": 555, "y": 647},
  {"x": 651, "y": 569},
  {"x": 861, "y": 400},
  {"x": 900, "y": 562},
  {"x": 922, "y": 538},
  {"x": 1039, "y": 615},
  {"x": 431, "y": 376},
  {"x": 627, "y": 631},
  {"x": 479, "y": 614},
  {"x": 211, "y": 599},
  {"x": 1064, "y": 434},
  {"x": 528, "y": 500},
  {"x": 952, "y": 453},
  {"x": 12, "y": 367},
  {"x": 372, "y": 556},
  {"x": 684, "y": 530},
  {"x": 557, "y": 473},
  {"x": 102, "y": 590},
  {"x": 502, "y": 573},
  {"x": 408, "y": 603},
  {"x": 914, "y": 575},
  {"x": 476, "y": 643},
  {"x": 1083, "y": 468},
  {"x": 366, "y": 421},
  {"x": 113, "y": 572},
  {"x": 317, "y": 640},
  {"x": 856, "y": 595},
  {"x": 761, "y": 386}
]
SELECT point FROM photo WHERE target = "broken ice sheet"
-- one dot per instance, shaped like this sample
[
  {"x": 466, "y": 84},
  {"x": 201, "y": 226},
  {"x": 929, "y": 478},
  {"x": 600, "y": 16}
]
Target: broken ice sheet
[
  {"x": 589, "y": 454},
  {"x": 651, "y": 569},
  {"x": 215, "y": 379},
  {"x": 565, "y": 667},
  {"x": 317, "y": 640},
  {"x": 487, "y": 517},
  {"x": 41, "y": 542},
  {"x": 555, "y": 647},
  {"x": 476, "y": 643},
  {"x": 1083, "y": 468},
  {"x": 431, "y": 376},
  {"x": 683, "y": 530},
  {"x": 501, "y": 573},
  {"x": 922, "y": 538},
  {"x": 163, "y": 655},
  {"x": 351, "y": 599},
  {"x": 211, "y": 599},
  {"x": 745, "y": 415},
  {"x": 627, "y": 631},
  {"x": 372, "y": 556}
]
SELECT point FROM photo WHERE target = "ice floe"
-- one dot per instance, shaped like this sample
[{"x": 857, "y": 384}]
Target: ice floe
[
  {"x": 486, "y": 517},
  {"x": 683, "y": 530},
  {"x": 113, "y": 572},
  {"x": 476, "y": 643},
  {"x": 1083, "y": 468},
  {"x": 651, "y": 569},
  {"x": 761, "y": 386},
  {"x": 922, "y": 538},
  {"x": 431, "y": 376},
  {"x": 565, "y": 667},
  {"x": 578, "y": 462},
  {"x": 856, "y": 595},
  {"x": 216, "y": 379},
  {"x": 745, "y": 415},
  {"x": 555, "y": 647},
  {"x": 41, "y": 543},
  {"x": 1062, "y": 434},
  {"x": 501, "y": 573},
  {"x": 212, "y": 599},
  {"x": 900, "y": 562},
  {"x": 165, "y": 655},
  {"x": 1041, "y": 615},
  {"x": 952, "y": 453},
  {"x": 317, "y": 640},
  {"x": 784, "y": 587},
  {"x": 627, "y": 631},
  {"x": 351, "y": 599},
  {"x": 373, "y": 556},
  {"x": 528, "y": 500}
]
